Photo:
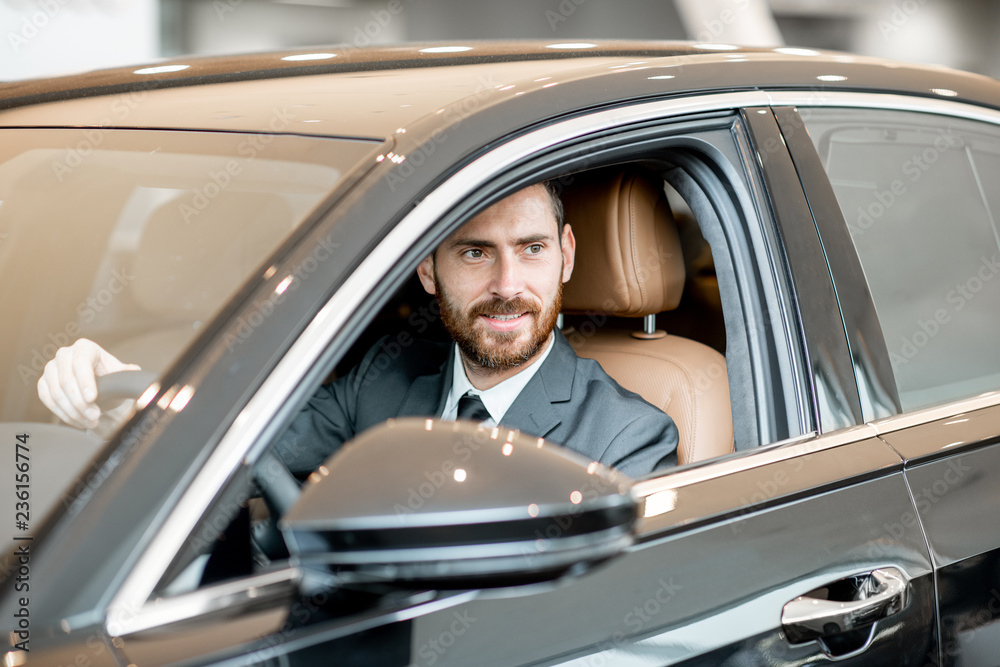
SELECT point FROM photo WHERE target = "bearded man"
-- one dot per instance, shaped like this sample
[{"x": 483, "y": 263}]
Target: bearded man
[{"x": 498, "y": 282}]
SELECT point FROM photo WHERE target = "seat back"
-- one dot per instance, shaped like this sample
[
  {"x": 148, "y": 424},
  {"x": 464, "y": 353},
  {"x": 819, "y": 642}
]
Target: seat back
[{"x": 629, "y": 264}]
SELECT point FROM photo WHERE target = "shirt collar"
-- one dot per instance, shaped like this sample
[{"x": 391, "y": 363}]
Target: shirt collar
[{"x": 497, "y": 399}]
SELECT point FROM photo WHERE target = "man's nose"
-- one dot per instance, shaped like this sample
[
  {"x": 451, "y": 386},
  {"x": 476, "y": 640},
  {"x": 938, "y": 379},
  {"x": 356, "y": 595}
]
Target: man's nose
[{"x": 507, "y": 279}]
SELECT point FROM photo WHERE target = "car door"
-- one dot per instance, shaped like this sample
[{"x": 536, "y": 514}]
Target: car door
[
  {"x": 920, "y": 245},
  {"x": 729, "y": 552}
]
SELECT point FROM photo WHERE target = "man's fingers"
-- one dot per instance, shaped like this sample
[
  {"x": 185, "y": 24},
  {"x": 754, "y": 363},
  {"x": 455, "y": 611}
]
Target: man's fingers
[
  {"x": 83, "y": 364},
  {"x": 76, "y": 371},
  {"x": 46, "y": 397},
  {"x": 50, "y": 391}
]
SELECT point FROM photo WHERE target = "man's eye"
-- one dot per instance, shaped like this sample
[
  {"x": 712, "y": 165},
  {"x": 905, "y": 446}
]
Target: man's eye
[
  {"x": 535, "y": 248},
  {"x": 474, "y": 253}
]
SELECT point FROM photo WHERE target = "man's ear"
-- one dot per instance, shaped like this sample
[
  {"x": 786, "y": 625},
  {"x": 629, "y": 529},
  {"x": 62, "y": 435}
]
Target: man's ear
[
  {"x": 568, "y": 251},
  {"x": 425, "y": 270}
]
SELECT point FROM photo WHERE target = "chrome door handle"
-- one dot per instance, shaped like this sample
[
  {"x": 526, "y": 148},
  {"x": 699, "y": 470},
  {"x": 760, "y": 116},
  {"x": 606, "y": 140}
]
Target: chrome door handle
[{"x": 877, "y": 595}]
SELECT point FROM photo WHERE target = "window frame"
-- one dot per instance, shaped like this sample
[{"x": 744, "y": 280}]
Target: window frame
[{"x": 857, "y": 307}]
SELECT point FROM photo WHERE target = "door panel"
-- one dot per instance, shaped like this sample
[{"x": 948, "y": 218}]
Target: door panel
[
  {"x": 916, "y": 271},
  {"x": 713, "y": 587},
  {"x": 956, "y": 497}
]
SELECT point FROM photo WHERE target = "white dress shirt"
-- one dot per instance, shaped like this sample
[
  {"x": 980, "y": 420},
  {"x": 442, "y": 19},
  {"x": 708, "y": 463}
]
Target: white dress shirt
[{"x": 497, "y": 399}]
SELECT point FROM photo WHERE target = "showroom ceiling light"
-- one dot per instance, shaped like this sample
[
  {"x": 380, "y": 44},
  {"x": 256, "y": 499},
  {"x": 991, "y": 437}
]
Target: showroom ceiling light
[
  {"x": 571, "y": 45},
  {"x": 162, "y": 69},
  {"x": 794, "y": 51},
  {"x": 715, "y": 47},
  {"x": 446, "y": 49},
  {"x": 310, "y": 56}
]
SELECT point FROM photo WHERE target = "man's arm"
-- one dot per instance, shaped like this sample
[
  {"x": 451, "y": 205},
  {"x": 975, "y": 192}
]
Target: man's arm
[
  {"x": 321, "y": 427},
  {"x": 327, "y": 420},
  {"x": 646, "y": 444}
]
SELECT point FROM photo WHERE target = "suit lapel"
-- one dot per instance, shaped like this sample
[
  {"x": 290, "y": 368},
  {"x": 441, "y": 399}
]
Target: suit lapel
[
  {"x": 427, "y": 393},
  {"x": 534, "y": 411}
]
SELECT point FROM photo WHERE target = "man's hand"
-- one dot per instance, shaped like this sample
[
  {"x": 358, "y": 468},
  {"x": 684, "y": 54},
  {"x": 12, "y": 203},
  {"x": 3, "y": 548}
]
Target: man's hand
[{"x": 68, "y": 386}]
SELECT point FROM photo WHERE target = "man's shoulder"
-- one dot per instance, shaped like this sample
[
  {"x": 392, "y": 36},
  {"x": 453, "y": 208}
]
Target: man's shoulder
[
  {"x": 404, "y": 355},
  {"x": 596, "y": 385}
]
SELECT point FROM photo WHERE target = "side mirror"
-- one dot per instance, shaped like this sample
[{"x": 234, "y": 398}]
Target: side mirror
[{"x": 455, "y": 505}]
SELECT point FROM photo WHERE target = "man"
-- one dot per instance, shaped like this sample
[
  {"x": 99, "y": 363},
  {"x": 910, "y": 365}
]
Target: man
[{"x": 498, "y": 281}]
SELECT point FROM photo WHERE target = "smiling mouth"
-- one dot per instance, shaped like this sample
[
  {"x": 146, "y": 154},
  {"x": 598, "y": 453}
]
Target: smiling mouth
[{"x": 505, "y": 318}]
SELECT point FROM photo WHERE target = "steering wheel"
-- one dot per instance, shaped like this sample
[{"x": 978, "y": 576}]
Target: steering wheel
[
  {"x": 279, "y": 490},
  {"x": 119, "y": 386}
]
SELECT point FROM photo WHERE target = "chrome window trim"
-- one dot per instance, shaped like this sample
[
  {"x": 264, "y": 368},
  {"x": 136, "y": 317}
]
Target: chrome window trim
[
  {"x": 159, "y": 612},
  {"x": 150, "y": 566},
  {"x": 773, "y": 453},
  {"x": 936, "y": 412},
  {"x": 883, "y": 101}
]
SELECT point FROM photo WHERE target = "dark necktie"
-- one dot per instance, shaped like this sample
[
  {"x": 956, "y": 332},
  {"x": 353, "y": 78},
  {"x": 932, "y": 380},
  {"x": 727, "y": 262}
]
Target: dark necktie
[{"x": 471, "y": 407}]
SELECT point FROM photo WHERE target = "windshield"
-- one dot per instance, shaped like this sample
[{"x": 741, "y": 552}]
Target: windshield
[{"x": 135, "y": 239}]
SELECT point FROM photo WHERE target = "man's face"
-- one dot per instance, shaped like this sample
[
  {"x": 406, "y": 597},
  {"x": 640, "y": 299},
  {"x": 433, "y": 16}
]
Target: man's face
[{"x": 498, "y": 279}]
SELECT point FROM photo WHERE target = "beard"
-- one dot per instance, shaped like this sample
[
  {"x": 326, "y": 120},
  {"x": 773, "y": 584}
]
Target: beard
[{"x": 497, "y": 351}]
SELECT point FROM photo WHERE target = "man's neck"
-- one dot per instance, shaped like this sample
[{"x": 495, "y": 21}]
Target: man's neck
[{"x": 487, "y": 378}]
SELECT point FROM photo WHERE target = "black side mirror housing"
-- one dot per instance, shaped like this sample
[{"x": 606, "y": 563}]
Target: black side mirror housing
[{"x": 423, "y": 502}]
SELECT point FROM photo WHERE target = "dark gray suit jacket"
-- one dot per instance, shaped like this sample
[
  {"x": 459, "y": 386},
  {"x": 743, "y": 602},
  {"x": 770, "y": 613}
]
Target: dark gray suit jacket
[{"x": 570, "y": 401}]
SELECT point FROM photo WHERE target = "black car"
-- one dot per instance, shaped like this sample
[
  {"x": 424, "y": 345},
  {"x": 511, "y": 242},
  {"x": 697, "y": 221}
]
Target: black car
[{"x": 245, "y": 228}]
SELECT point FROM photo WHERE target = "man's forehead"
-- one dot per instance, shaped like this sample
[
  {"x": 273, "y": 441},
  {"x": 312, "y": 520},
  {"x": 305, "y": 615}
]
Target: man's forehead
[{"x": 526, "y": 211}]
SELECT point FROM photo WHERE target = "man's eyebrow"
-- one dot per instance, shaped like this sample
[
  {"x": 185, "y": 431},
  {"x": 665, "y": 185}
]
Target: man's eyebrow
[
  {"x": 534, "y": 238},
  {"x": 483, "y": 243},
  {"x": 469, "y": 241}
]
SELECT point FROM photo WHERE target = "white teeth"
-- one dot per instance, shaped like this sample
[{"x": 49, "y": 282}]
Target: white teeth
[{"x": 504, "y": 318}]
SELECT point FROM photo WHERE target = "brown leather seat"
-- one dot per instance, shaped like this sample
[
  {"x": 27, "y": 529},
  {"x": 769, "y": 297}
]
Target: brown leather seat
[{"x": 629, "y": 264}]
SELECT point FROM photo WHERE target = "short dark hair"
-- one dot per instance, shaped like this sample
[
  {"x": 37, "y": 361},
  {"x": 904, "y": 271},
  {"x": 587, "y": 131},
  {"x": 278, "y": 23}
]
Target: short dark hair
[{"x": 552, "y": 189}]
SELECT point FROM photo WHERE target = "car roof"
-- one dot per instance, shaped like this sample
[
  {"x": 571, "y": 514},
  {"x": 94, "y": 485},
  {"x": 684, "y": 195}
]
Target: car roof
[{"x": 376, "y": 92}]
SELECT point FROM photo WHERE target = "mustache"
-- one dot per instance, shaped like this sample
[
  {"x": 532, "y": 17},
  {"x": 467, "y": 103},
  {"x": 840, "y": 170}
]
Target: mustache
[{"x": 498, "y": 306}]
